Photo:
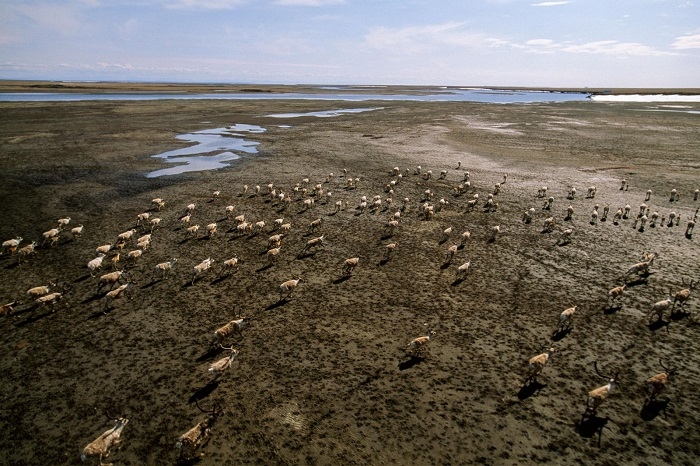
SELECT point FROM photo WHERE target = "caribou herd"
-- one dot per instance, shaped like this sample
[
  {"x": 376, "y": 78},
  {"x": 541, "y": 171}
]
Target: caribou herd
[{"x": 310, "y": 198}]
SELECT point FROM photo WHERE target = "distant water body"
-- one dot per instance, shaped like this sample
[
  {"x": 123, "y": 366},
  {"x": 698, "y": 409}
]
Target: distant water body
[{"x": 431, "y": 95}]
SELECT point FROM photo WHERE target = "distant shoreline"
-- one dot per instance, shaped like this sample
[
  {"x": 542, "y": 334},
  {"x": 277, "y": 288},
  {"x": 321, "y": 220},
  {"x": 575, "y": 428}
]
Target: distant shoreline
[{"x": 199, "y": 88}]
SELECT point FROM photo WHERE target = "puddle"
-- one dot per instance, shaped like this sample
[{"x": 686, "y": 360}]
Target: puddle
[
  {"x": 213, "y": 149},
  {"x": 325, "y": 113}
]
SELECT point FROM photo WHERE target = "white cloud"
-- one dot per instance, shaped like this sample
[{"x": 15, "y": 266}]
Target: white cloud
[
  {"x": 422, "y": 37},
  {"x": 204, "y": 4},
  {"x": 308, "y": 2},
  {"x": 687, "y": 42},
  {"x": 539, "y": 46},
  {"x": 550, "y": 3},
  {"x": 117, "y": 66},
  {"x": 540, "y": 42},
  {"x": 603, "y": 47},
  {"x": 613, "y": 47}
]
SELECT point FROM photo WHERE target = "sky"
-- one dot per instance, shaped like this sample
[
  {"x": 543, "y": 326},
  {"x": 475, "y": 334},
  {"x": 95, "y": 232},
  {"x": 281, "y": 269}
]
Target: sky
[{"x": 565, "y": 43}]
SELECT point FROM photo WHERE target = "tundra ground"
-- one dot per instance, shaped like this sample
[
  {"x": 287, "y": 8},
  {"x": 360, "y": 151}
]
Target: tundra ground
[{"x": 324, "y": 377}]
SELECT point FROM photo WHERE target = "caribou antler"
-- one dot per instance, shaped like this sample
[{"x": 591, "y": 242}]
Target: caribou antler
[
  {"x": 669, "y": 370},
  {"x": 595, "y": 366},
  {"x": 212, "y": 411},
  {"x": 110, "y": 415},
  {"x": 216, "y": 411}
]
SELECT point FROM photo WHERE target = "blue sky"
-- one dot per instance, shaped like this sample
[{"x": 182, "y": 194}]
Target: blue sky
[{"x": 567, "y": 43}]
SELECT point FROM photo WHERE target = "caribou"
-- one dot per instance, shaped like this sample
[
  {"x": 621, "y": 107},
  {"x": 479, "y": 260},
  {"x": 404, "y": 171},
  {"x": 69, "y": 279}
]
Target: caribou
[
  {"x": 597, "y": 396},
  {"x": 101, "y": 445},
  {"x": 198, "y": 436},
  {"x": 683, "y": 295},
  {"x": 658, "y": 382}
]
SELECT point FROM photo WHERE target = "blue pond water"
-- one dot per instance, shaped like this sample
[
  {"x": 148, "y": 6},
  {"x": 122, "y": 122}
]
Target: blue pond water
[
  {"x": 213, "y": 149},
  {"x": 324, "y": 113}
]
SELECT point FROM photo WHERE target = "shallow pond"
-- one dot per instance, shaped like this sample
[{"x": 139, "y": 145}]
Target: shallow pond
[{"x": 213, "y": 149}]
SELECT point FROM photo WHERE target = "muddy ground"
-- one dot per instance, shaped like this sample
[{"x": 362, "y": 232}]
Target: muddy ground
[{"x": 324, "y": 377}]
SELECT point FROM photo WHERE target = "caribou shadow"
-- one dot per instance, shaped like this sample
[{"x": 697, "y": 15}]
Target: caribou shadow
[
  {"x": 277, "y": 304},
  {"x": 211, "y": 353},
  {"x": 33, "y": 319},
  {"x": 204, "y": 391},
  {"x": 304, "y": 255},
  {"x": 410, "y": 362},
  {"x": 652, "y": 408},
  {"x": 658, "y": 324},
  {"x": 18, "y": 313},
  {"x": 560, "y": 334},
  {"x": 643, "y": 280},
  {"x": 82, "y": 279},
  {"x": 220, "y": 279},
  {"x": 101, "y": 313},
  {"x": 340, "y": 280},
  {"x": 152, "y": 283},
  {"x": 679, "y": 315},
  {"x": 458, "y": 281},
  {"x": 529, "y": 389},
  {"x": 94, "y": 297},
  {"x": 591, "y": 425},
  {"x": 12, "y": 265}
]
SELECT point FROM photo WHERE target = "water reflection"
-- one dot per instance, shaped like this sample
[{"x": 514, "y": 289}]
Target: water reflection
[
  {"x": 325, "y": 113},
  {"x": 213, "y": 149}
]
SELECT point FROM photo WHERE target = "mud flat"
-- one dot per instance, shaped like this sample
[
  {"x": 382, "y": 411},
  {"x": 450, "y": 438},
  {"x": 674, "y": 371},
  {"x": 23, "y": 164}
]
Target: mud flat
[{"x": 324, "y": 378}]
